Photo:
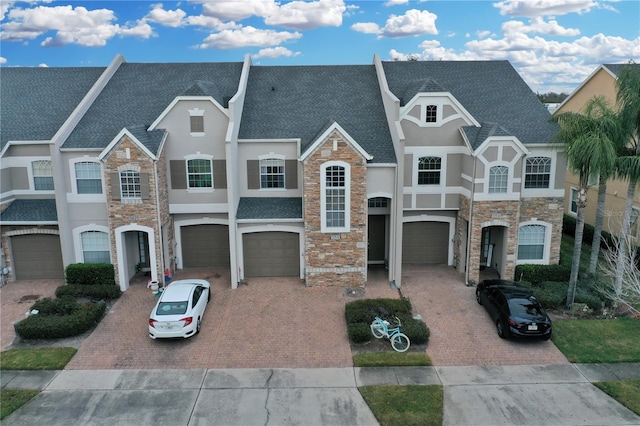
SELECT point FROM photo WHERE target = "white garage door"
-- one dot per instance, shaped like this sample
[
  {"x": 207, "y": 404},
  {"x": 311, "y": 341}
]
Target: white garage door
[
  {"x": 425, "y": 242},
  {"x": 271, "y": 254}
]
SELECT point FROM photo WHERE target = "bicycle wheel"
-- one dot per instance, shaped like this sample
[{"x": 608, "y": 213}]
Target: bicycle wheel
[
  {"x": 400, "y": 342},
  {"x": 377, "y": 329}
]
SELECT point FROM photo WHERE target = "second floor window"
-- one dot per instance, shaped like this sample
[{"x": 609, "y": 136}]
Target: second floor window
[
  {"x": 431, "y": 114},
  {"x": 538, "y": 172},
  {"x": 429, "y": 170},
  {"x": 42, "y": 175},
  {"x": 271, "y": 173},
  {"x": 199, "y": 173},
  {"x": 498, "y": 179},
  {"x": 130, "y": 184},
  {"x": 335, "y": 201},
  {"x": 88, "y": 177}
]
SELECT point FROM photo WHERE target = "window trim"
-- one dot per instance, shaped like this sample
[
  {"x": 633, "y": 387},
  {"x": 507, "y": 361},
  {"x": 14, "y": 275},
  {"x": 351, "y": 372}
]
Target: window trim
[
  {"x": 548, "y": 163},
  {"x": 34, "y": 176},
  {"x": 77, "y": 239},
  {"x": 278, "y": 158},
  {"x": 208, "y": 158},
  {"x": 417, "y": 168},
  {"x": 427, "y": 114},
  {"x": 547, "y": 243},
  {"x": 74, "y": 177},
  {"x": 508, "y": 180},
  {"x": 323, "y": 197}
]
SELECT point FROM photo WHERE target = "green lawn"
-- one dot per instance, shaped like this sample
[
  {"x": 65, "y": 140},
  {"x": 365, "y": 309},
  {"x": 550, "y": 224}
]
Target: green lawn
[
  {"x": 391, "y": 359},
  {"x": 405, "y": 405},
  {"x": 588, "y": 341},
  {"x": 627, "y": 392},
  {"x": 29, "y": 359}
]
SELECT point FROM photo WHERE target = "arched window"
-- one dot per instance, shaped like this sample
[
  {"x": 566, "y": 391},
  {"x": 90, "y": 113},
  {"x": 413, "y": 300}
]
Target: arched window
[
  {"x": 429, "y": 170},
  {"x": 498, "y": 179},
  {"x": 95, "y": 247},
  {"x": 537, "y": 172}
]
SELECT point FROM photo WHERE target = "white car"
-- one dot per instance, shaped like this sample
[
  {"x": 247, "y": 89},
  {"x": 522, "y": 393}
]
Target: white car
[{"x": 180, "y": 309}]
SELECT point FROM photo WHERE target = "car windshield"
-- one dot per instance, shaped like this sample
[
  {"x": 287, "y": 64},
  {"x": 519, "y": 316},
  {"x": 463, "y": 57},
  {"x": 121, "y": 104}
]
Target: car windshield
[
  {"x": 172, "y": 308},
  {"x": 524, "y": 308}
]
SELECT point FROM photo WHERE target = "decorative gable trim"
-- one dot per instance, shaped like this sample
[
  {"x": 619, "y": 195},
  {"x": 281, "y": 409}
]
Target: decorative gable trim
[
  {"x": 440, "y": 99},
  {"x": 325, "y": 135},
  {"x": 168, "y": 109},
  {"x": 129, "y": 135}
]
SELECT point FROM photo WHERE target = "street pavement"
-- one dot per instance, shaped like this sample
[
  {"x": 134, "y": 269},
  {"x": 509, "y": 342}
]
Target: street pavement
[{"x": 485, "y": 395}]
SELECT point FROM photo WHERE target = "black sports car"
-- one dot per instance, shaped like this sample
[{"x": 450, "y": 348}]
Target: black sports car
[{"x": 513, "y": 309}]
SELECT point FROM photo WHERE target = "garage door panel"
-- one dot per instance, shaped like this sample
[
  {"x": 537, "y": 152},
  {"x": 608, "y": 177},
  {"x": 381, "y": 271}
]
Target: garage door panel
[
  {"x": 425, "y": 242},
  {"x": 37, "y": 256},
  {"x": 205, "y": 246},
  {"x": 271, "y": 254}
]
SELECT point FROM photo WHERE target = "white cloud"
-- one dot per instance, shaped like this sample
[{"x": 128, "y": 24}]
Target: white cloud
[
  {"x": 481, "y": 34},
  {"x": 247, "y": 36},
  {"x": 43, "y": 65},
  {"x": 237, "y": 10},
  {"x": 71, "y": 25},
  {"x": 413, "y": 22},
  {"x": 545, "y": 7},
  {"x": 301, "y": 15},
  {"x": 169, "y": 18},
  {"x": 274, "y": 52},
  {"x": 396, "y": 2},
  {"x": 538, "y": 25},
  {"x": 3, "y": 60},
  {"x": 366, "y": 27}
]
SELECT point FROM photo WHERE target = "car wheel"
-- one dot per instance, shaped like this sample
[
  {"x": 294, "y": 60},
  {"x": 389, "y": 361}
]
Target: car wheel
[
  {"x": 478, "y": 297},
  {"x": 198, "y": 326},
  {"x": 500, "y": 329},
  {"x": 547, "y": 337}
]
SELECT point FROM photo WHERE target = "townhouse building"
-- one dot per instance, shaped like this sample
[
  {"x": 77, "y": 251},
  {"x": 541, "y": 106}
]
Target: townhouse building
[{"x": 316, "y": 172}]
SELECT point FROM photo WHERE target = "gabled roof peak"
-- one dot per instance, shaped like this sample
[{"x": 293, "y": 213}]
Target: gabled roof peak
[{"x": 203, "y": 88}]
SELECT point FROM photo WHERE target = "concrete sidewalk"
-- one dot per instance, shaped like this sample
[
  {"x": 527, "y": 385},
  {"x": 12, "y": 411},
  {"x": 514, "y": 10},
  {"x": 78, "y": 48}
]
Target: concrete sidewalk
[{"x": 490, "y": 395}]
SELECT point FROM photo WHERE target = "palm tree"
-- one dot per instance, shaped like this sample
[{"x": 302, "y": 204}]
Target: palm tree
[
  {"x": 628, "y": 165},
  {"x": 590, "y": 152}
]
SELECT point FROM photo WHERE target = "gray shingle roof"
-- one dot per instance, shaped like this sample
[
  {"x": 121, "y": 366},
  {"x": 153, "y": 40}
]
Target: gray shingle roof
[
  {"x": 615, "y": 68},
  {"x": 35, "y": 102},
  {"x": 138, "y": 93},
  {"x": 30, "y": 211},
  {"x": 270, "y": 208},
  {"x": 151, "y": 140},
  {"x": 492, "y": 92},
  {"x": 299, "y": 101},
  {"x": 477, "y": 135}
]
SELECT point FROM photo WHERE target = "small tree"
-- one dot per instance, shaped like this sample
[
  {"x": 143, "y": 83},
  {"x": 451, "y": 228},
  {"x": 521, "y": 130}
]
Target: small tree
[{"x": 614, "y": 261}]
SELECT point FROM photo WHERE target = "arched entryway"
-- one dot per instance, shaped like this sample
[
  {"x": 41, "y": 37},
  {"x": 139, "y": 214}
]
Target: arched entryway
[
  {"x": 493, "y": 248},
  {"x": 136, "y": 252}
]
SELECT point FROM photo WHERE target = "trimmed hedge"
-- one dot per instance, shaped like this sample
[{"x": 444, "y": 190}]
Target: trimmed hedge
[
  {"x": 540, "y": 273},
  {"x": 97, "y": 291},
  {"x": 65, "y": 305},
  {"x": 359, "y": 315},
  {"x": 553, "y": 294},
  {"x": 90, "y": 274},
  {"x": 47, "y": 326}
]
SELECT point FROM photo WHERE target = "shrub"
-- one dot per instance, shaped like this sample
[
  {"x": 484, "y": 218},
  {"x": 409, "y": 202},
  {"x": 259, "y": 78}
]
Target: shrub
[
  {"x": 539, "y": 273},
  {"x": 97, "y": 292},
  {"x": 416, "y": 330},
  {"x": 58, "y": 326},
  {"x": 359, "y": 332},
  {"x": 90, "y": 273},
  {"x": 550, "y": 294},
  {"x": 366, "y": 310},
  {"x": 61, "y": 306}
]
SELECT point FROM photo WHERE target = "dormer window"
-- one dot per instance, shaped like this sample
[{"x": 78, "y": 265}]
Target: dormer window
[{"x": 431, "y": 113}]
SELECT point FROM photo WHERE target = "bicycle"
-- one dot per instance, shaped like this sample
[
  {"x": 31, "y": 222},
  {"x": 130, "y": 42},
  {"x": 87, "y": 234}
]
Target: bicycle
[{"x": 399, "y": 341}]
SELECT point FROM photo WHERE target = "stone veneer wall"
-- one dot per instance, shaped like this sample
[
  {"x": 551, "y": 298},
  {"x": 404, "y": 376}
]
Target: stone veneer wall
[
  {"x": 512, "y": 214},
  {"x": 329, "y": 261},
  {"x": 144, "y": 213}
]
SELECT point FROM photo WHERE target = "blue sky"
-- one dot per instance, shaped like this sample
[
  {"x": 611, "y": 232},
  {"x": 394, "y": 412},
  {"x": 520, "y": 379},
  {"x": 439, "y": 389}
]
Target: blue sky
[{"x": 554, "y": 44}]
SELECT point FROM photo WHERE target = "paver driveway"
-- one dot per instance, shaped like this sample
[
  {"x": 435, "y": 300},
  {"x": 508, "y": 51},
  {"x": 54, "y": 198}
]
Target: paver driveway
[{"x": 280, "y": 323}]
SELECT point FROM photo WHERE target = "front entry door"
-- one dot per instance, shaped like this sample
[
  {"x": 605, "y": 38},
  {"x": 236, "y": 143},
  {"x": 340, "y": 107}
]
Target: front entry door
[{"x": 376, "y": 235}]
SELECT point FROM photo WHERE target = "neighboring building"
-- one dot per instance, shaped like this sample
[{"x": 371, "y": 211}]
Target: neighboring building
[
  {"x": 307, "y": 171},
  {"x": 601, "y": 83}
]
